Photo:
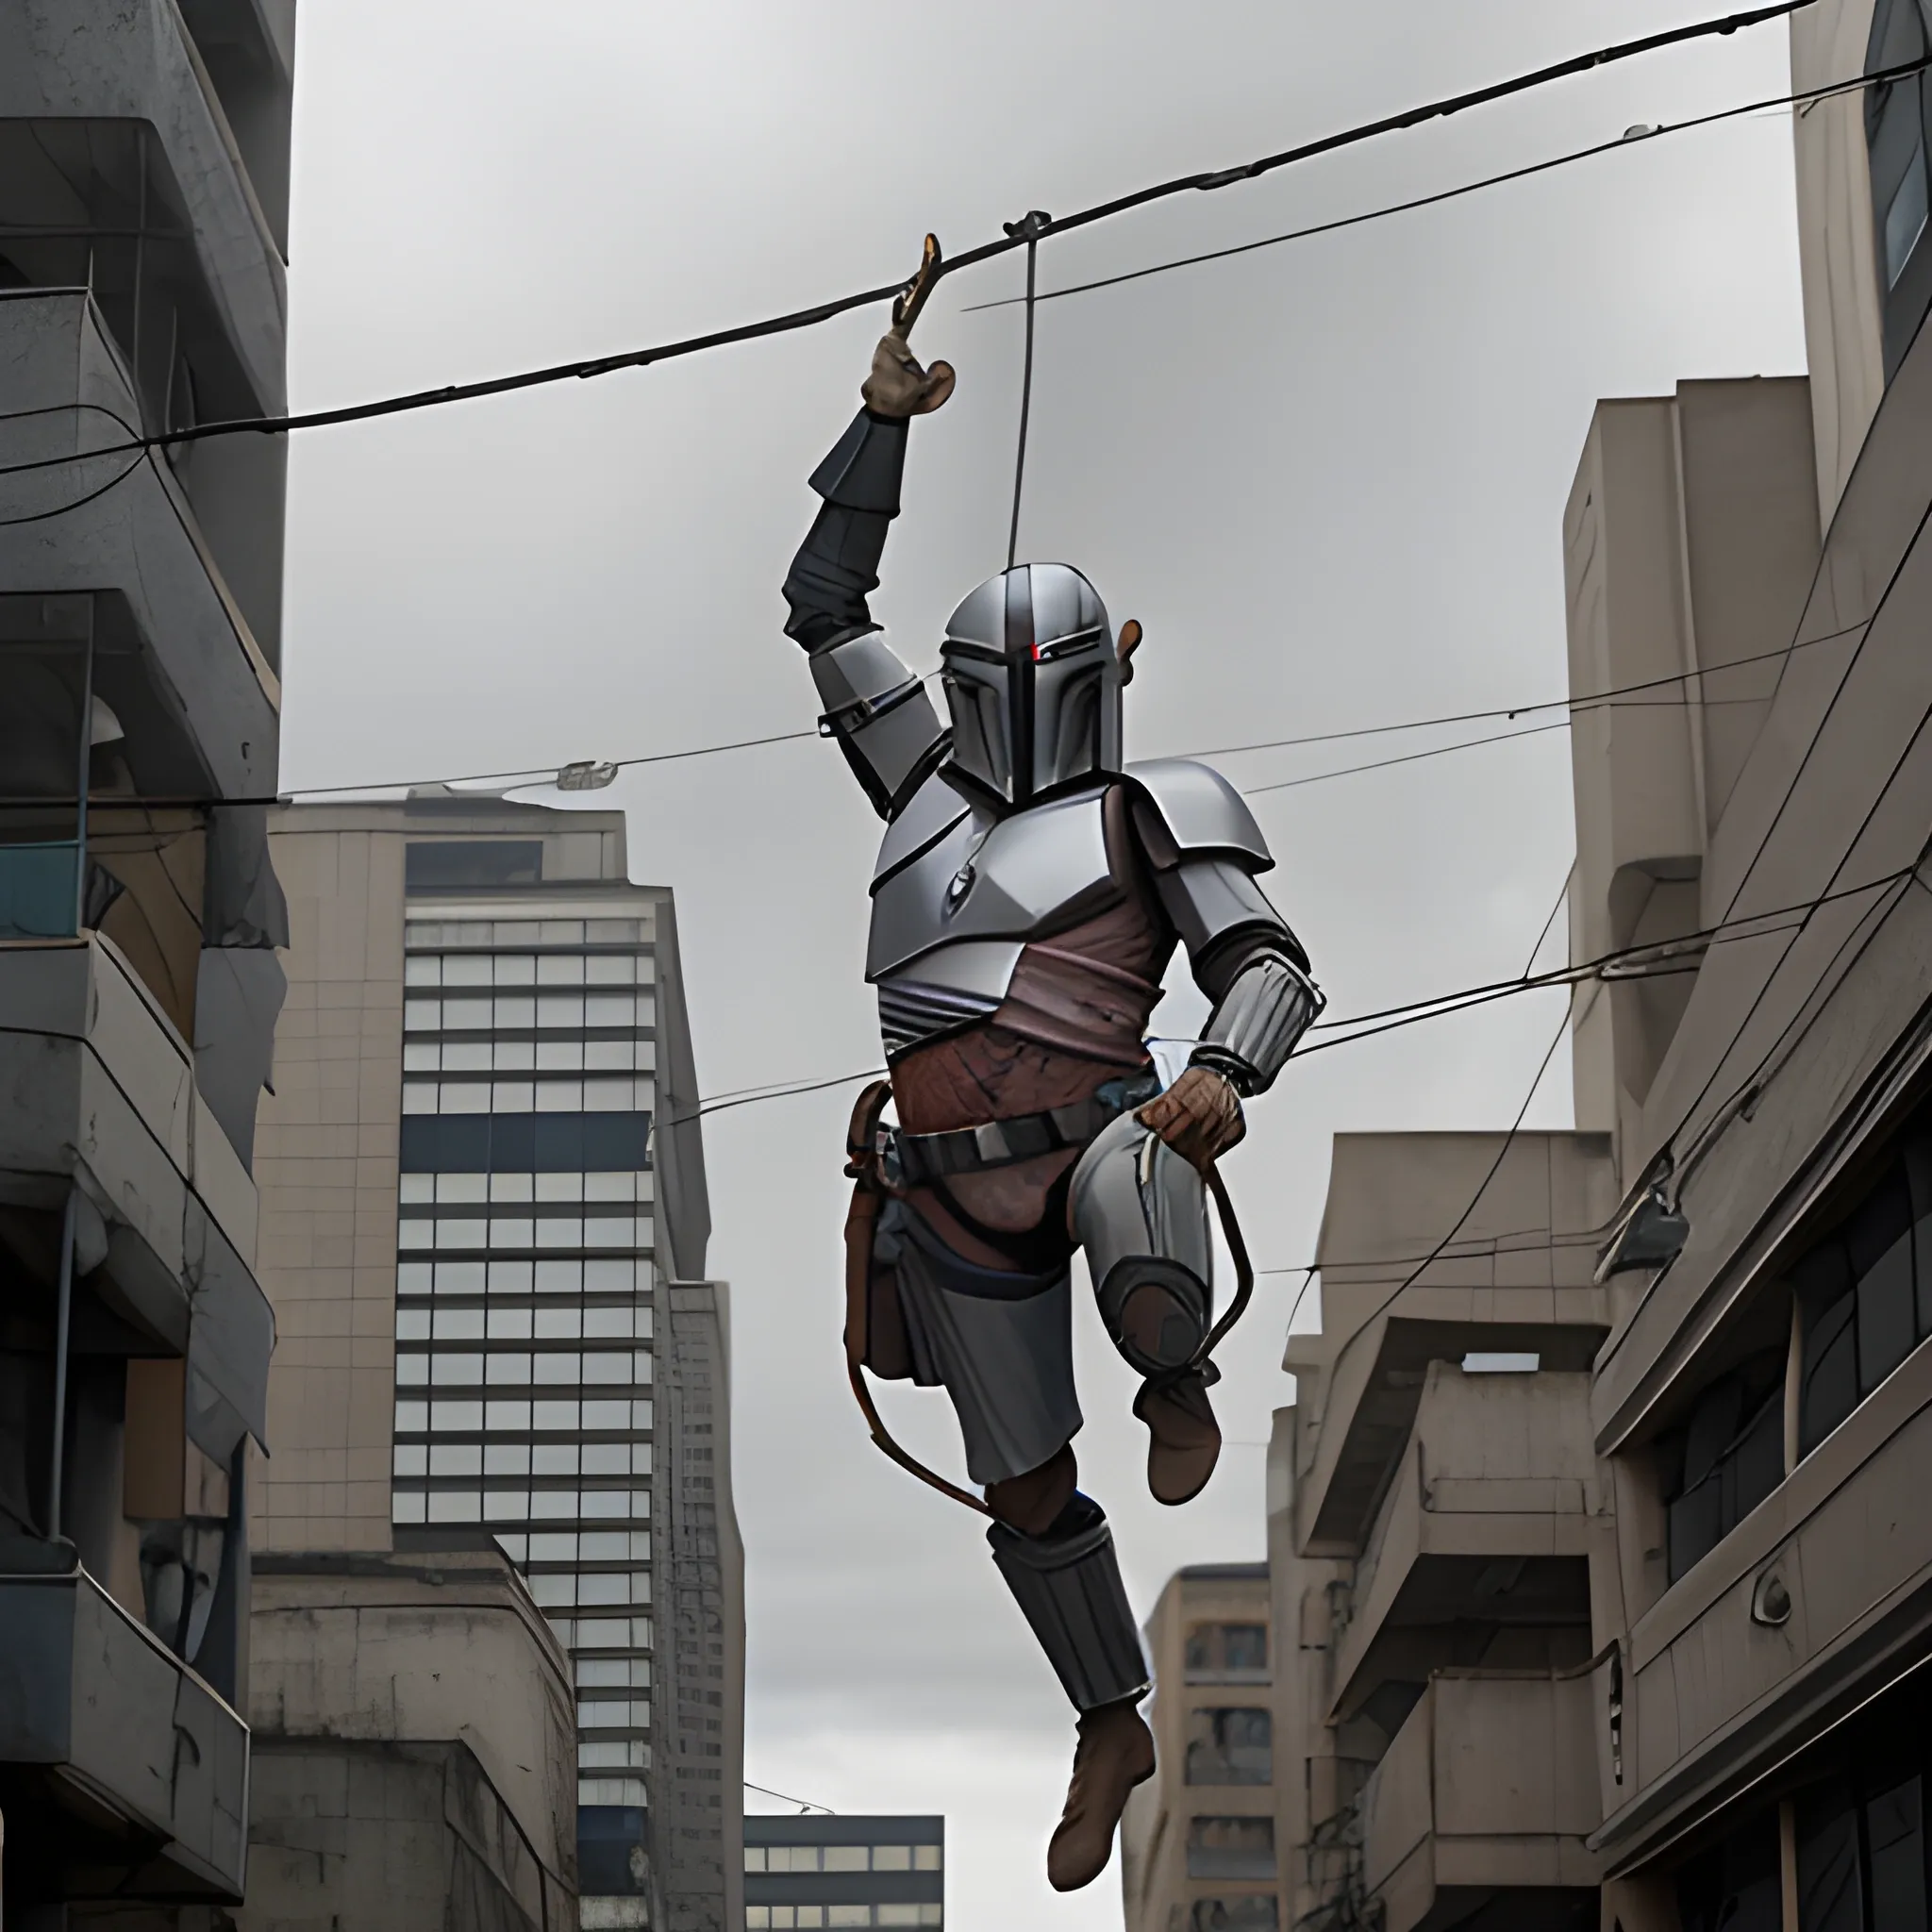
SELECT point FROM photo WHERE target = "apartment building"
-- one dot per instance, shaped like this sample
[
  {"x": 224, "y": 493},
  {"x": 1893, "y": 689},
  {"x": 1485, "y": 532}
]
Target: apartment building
[
  {"x": 821, "y": 1868},
  {"x": 1593, "y": 1531},
  {"x": 503, "y": 1382},
  {"x": 1197, "y": 1841},
  {"x": 144, "y": 180}
]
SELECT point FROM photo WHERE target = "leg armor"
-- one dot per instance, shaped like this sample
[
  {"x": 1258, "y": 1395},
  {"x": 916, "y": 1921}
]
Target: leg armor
[
  {"x": 1141, "y": 1211},
  {"x": 1068, "y": 1585}
]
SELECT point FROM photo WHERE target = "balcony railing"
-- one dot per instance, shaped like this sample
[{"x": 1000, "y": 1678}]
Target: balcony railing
[{"x": 92, "y": 1702}]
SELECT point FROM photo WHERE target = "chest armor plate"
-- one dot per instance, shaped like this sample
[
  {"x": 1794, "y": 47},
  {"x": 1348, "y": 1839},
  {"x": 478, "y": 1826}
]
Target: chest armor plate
[{"x": 957, "y": 910}]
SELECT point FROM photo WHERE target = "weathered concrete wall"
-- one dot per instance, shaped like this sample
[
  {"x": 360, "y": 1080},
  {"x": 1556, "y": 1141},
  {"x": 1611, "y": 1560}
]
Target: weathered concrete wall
[{"x": 381, "y": 1650}]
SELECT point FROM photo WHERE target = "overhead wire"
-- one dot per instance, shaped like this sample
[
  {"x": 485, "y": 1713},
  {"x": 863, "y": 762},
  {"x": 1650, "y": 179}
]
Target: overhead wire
[
  {"x": 1588, "y": 702},
  {"x": 1681, "y": 1164},
  {"x": 1438, "y": 1007},
  {"x": 1028, "y": 233},
  {"x": 1629, "y": 138}
]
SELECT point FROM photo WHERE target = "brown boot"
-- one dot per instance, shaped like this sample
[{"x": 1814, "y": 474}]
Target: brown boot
[
  {"x": 1183, "y": 1437},
  {"x": 1115, "y": 1753}
]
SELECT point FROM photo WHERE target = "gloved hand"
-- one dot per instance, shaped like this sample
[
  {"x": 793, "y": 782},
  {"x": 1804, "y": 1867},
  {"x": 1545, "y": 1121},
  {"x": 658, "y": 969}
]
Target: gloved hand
[
  {"x": 1199, "y": 1116},
  {"x": 898, "y": 385}
]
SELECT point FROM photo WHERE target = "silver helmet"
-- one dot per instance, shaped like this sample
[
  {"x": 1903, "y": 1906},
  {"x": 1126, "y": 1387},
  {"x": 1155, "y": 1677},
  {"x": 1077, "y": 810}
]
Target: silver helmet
[{"x": 1032, "y": 683}]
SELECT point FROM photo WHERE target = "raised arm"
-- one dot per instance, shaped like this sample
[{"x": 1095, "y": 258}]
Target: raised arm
[{"x": 877, "y": 710}]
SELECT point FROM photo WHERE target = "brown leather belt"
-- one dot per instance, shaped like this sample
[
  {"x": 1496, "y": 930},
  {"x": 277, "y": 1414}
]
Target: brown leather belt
[{"x": 922, "y": 1159}]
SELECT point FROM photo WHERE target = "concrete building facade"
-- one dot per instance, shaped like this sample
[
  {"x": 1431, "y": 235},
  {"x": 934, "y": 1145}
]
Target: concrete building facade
[
  {"x": 144, "y": 164},
  {"x": 1601, "y": 1583},
  {"x": 821, "y": 1868},
  {"x": 1198, "y": 1841},
  {"x": 502, "y": 1381}
]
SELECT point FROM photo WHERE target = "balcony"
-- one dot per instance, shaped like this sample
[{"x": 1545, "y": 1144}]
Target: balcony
[
  {"x": 1479, "y": 1553},
  {"x": 1517, "y": 1279},
  {"x": 60, "y": 68},
  {"x": 129, "y": 577},
  {"x": 1484, "y": 1803},
  {"x": 121, "y": 1772},
  {"x": 1818, "y": 1599},
  {"x": 102, "y": 1093}
]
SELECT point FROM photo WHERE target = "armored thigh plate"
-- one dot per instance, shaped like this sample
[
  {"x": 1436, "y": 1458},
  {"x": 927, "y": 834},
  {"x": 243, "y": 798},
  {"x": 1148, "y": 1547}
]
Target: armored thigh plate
[{"x": 1140, "y": 1212}]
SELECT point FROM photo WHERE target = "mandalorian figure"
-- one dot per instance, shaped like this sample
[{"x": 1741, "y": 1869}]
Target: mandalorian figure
[{"x": 1030, "y": 892}]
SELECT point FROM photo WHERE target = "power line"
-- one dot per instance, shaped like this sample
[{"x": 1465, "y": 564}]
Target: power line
[
  {"x": 1405, "y": 759},
  {"x": 1027, "y": 233},
  {"x": 804, "y": 1803},
  {"x": 1631, "y": 137},
  {"x": 1591, "y": 701},
  {"x": 1394, "y": 1018},
  {"x": 1776, "y": 819},
  {"x": 1434, "y": 1254}
]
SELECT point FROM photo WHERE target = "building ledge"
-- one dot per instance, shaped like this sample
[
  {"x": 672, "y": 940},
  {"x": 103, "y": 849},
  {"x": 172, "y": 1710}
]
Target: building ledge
[{"x": 119, "y": 1766}]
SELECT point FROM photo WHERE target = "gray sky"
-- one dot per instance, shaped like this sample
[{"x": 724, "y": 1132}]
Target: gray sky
[{"x": 1327, "y": 477}]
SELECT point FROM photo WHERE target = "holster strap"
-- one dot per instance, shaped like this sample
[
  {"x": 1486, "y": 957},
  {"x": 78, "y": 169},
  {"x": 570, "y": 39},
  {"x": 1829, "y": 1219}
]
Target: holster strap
[{"x": 925, "y": 1157}]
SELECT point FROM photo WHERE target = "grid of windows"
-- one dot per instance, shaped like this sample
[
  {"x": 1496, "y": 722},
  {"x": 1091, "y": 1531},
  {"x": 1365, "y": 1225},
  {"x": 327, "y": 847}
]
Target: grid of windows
[
  {"x": 822, "y": 1858},
  {"x": 525, "y": 1357},
  {"x": 758, "y": 1917},
  {"x": 849, "y": 1870}
]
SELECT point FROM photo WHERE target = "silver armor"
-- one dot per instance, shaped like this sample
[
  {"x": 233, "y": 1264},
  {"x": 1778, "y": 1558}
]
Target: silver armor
[
  {"x": 1030, "y": 892},
  {"x": 960, "y": 890}
]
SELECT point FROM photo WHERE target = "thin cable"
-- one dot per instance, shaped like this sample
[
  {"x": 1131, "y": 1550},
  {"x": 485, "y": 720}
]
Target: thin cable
[
  {"x": 1662, "y": 131},
  {"x": 987, "y": 251},
  {"x": 1422, "y": 1266},
  {"x": 1562, "y": 893},
  {"x": 1591, "y": 701},
  {"x": 1669, "y": 1142},
  {"x": 1409, "y": 757},
  {"x": 804, "y": 1803},
  {"x": 1611, "y": 697},
  {"x": 62, "y": 509},
  {"x": 1026, "y": 398},
  {"x": 1395, "y": 1017}
]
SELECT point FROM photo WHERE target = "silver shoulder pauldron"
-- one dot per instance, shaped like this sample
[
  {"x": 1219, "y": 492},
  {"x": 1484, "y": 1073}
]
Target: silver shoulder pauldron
[{"x": 1200, "y": 813}]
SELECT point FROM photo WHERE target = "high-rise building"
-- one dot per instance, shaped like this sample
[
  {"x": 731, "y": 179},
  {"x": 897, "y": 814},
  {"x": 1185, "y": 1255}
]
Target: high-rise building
[
  {"x": 824, "y": 1869},
  {"x": 144, "y": 171},
  {"x": 502, "y": 1128}
]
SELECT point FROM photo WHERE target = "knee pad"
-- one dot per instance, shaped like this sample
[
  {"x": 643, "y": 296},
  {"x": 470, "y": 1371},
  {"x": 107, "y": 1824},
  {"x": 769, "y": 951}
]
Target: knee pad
[{"x": 1140, "y": 1212}]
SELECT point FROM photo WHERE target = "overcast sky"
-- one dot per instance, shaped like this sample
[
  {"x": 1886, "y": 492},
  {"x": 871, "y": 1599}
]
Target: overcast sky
[{"x": 1327, "y": 479}]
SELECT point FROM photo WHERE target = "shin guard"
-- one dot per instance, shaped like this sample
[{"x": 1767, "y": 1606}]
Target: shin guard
[{"x": 1068, "y": 1585}]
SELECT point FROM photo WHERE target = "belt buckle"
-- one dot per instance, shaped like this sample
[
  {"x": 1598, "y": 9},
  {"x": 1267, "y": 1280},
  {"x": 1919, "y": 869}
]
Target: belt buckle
[{"x": 990, "y": 1141}]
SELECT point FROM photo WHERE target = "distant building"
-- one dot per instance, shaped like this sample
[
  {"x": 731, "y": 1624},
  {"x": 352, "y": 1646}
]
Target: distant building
[
  {"x": 1197, "y": 1841},
  {"x": 844, "y": 1869},
  {"x": 485, "y": 1222}
]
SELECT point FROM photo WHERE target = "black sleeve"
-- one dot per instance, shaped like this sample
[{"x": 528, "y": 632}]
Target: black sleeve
[{"x": 837, "y": 565}]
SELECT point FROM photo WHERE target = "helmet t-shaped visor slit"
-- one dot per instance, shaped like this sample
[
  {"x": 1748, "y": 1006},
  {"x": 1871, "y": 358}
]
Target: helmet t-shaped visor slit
[{"x": 1020, "y": 647}]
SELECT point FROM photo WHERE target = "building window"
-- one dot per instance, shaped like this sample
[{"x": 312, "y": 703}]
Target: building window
[
  {"x": 1734, "y": 1887},
  {"x": 1236, "y": 1651},
  {"x": 1229, "y": 1746},
  {"x": 1865, "y": 1293},
  {"x": 1861, "y": 1857},
  {"x": 1230, "y": 1848},
  {"x": 452, "y": 864},
  {"x": 1254, "y": 1913},
  {"x": 1726, "y": 1460},
  {"x": 1896, "y": 135}
]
